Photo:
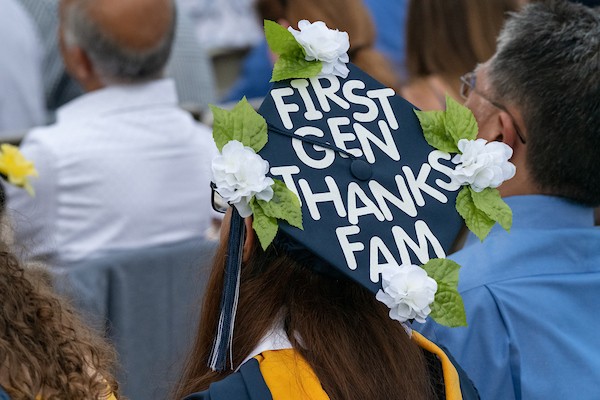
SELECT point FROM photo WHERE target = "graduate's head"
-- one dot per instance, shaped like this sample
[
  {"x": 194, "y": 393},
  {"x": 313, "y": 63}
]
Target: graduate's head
[
  {"x": 340, "y": 211},
  {"x": 337, "y": 325},
  {"x": 336, "y": 166}
]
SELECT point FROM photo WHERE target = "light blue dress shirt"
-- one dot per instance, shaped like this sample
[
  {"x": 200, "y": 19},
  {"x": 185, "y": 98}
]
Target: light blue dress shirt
[{"x": 532, "y": 298}]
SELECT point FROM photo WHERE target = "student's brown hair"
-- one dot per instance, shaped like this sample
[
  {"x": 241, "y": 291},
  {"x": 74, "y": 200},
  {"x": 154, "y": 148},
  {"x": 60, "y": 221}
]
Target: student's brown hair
[
  {"x": 45, "y": 350},
  {"x": 355, "y": 349}
]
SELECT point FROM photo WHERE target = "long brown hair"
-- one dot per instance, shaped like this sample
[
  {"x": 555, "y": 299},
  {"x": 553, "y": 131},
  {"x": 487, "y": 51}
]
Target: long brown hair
[
  {"x": 449, "y": 38},
  {"x": 347, "y": 337},
  {"x": 45, "y": 349},
  {"x": 350, "y": 16}
]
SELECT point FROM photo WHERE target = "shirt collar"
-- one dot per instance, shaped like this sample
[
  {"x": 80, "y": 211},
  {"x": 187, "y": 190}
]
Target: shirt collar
[
  {"x": 275, "y": 339},
  {"x": 117, "y": 98},
  {"x": 543, "y": 212}
]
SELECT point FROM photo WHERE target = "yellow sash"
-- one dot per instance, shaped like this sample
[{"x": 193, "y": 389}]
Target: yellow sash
[
  {"x": 290, "y": 377},
  {"x": 451, "y": 380}
]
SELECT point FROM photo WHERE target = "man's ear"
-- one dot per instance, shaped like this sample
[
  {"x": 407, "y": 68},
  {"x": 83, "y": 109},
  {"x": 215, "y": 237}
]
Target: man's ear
[
  {"x": 249, "y": 239},
  {"x": 78, "y": 64},
  {"x": 508, "y": 131}
]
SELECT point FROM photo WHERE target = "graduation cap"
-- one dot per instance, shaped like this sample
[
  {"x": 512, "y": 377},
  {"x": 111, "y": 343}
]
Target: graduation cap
[
  {"x": 373, "y": 191},
  {"x": 348, "y": 175}
]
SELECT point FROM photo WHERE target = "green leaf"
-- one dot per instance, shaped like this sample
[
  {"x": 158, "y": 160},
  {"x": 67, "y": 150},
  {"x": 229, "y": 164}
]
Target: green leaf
[
  {"x": 291, "y": 67},
  {"x": 281, "y": 41},
  {"x": 284, "y": 205},
  {"x": 460, "y": 122},
  {"x": 291, "y": 63},
  {"x": 490, "y": 202},
  {"x": 434, "y": 130},
  {"x": 242, "y": 123},
  {"x": 264, "y": 226},
  {"x": 448, "y": 308},
  {"x": 477, "y": 221},
  {"x": 220, "y": 133},
  {"x": 443, "y": 271}
]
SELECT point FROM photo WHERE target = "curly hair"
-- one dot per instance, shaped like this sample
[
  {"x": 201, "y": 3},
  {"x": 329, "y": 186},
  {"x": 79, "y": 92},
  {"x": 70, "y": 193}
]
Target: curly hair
[{"x": 45, "y": 350}]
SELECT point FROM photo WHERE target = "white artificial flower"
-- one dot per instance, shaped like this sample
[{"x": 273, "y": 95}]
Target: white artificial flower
[
  {"x": 240, "y": 174},
  {"x": 408, "y": 291},
  {"x": 483, "y": 164},
  {"x": 329, "y": 46}
]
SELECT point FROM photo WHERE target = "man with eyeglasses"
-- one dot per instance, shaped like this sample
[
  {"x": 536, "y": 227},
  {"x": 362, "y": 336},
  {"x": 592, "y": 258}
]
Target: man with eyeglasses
[{"x": 532, "y": 295}]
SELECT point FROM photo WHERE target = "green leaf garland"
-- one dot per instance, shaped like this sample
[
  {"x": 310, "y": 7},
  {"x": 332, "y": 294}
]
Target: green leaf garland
[
  {"x": 434, "y": 130},
  {"x": 460, "y": 121},
  {"x": 443, "y": 130},
  {"x": 291, "y": 62},
  {"x": 447, "y": 308},
  {"x": 244, "y": 124},
  {"x": 477, "y": 221},
  {"x": 490, "y": 202},
  {"x": 280, "y": 40},
  {"x": 284, "y": 205},
  {"x": 289, "y": 67},
  {"x": 265, "y": 227}
]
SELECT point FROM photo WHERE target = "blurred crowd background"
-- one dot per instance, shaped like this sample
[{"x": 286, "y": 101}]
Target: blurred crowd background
[{"x": 110, "y": 101}]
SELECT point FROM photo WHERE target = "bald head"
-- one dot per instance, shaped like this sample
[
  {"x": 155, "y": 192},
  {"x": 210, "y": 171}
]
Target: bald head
[
  {"x": 125, "y": 40},
  {"x": 134, "y": 24}
]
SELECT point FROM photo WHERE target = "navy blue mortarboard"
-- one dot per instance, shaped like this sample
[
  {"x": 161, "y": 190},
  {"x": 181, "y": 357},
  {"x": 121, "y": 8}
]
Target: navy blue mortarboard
[
  {"x": 342, "y": 168},
  {"x": 373, "y": 191}
]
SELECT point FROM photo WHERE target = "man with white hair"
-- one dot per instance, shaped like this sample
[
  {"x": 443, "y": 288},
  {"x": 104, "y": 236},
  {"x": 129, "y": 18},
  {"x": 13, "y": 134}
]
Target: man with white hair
[
  {"x": 123, "y": 166},
  {"x": 189, "y": 64},
  {"x": 531, "y": 294}
]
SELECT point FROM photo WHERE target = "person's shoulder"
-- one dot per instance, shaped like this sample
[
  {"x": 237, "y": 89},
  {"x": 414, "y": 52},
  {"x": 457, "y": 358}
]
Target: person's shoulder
[
  {"x": 273, "y": 374},
  {"x": 477, "y": 266},
  {"x": 203, "y": 129},
  {"x": 245, "y": 384},
  {"x": 203, "y": 138},
  {"x": 50, "y": 139},
  {"x": 497, "y": 259}
]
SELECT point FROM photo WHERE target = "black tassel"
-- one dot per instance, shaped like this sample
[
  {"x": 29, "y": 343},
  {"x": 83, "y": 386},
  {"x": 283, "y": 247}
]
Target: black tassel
[{"x": 229, "y": 299}]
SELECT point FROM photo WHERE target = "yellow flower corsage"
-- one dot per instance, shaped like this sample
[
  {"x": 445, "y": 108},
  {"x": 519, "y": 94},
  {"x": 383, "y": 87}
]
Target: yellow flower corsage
[{"x": 15, "y": 168}]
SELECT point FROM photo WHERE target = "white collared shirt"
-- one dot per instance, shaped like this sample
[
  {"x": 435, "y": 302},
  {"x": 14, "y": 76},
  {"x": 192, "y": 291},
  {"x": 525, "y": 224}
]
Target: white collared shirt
[
  {"x": 123, "y": 167},
  {"x": 275, "y": 339}
]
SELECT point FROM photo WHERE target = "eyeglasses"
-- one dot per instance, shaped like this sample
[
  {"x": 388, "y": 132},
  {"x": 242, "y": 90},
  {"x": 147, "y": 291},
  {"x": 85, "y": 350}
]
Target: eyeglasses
[
  {"x": 467, "y": 87},
  {"x": 218, "y": 203}
]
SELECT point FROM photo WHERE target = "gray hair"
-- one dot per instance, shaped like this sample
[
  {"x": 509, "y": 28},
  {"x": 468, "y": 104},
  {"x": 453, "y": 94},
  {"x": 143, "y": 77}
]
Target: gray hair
[
  {"x": 114, "y": 62},
  {"x": 547, "y": 64}
]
